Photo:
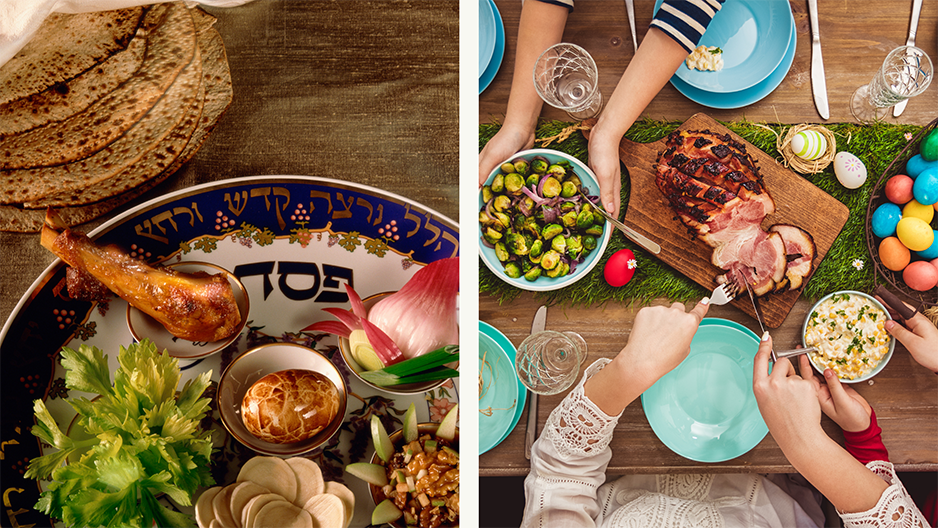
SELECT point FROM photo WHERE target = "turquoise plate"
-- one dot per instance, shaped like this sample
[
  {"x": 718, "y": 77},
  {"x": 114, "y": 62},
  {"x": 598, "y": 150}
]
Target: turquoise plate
[
  {"x": 507, "y": 397},
  {"x": 704, "y": 409},
  {"x": 754, "y": 36},
  {"x": 485, "y": 77},
  {"x": 487, "y": 35},
  {"x": 744, "y": 97}
]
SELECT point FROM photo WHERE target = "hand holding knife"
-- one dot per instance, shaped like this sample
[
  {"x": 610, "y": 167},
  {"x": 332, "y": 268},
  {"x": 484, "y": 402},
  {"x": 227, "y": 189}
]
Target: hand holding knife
[{"x": 530, "y": 433}]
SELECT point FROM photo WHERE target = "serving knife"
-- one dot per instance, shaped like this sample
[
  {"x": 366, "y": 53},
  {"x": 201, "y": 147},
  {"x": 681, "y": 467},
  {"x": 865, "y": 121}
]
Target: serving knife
[
  {"x": 818, "y": 80},
  {"x": 913, "y": 27},
  {"x": 530, "y": 431},
  {"x": 632, "y": 234},
  {"x": 755, "y": 307},
  {"x": 630, "y": 8}
]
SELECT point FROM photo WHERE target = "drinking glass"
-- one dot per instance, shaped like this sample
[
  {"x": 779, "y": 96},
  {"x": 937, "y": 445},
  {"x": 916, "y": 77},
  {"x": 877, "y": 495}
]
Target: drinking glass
[
  {"x": 565, "y": 76},
  {"x": 905, "y": 73},
  {"x": 549, "y": 362}
]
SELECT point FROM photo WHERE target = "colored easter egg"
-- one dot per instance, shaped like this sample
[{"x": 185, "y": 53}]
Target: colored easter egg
[
  {"x": 920, "y": 275},
  {"x": 915, "y": 233},
  {"x": 899, "y": 189},
  {"x": 917, "y": 164},
  {"x": 850, "y": 171},
  {"x": 809, "y": 144},
  {"x": 929, "y": 146},
  {"x": 932, "y": 251},
  {"x": 925, "y": 188},
  {"x": 884, "y": 220},
  {"x": 620, "y": 268},
  {"x": 919, "y": 210},
  {"x": 893, "y": 254}
]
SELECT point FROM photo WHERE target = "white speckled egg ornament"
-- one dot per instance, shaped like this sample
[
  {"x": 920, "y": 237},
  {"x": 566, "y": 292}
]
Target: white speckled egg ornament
[
  {"x": 809, "y": 145},
  {"x": 850, "y": 171}
]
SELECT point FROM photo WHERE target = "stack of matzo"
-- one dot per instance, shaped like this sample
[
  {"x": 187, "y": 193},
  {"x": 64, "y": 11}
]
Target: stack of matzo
[{"x": 100, "y": 107}]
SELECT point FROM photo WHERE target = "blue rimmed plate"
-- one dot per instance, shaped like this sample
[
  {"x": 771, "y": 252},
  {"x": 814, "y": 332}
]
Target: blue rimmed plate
[
  {"x": 754, "y": 36},
  {"x": 743, "y": 97},
  {"x": 497, "y": 54},
  {"x": 704, "y": 409},
  {"x": 486, "y": 34},
  {"x": 506, "y": 397}
]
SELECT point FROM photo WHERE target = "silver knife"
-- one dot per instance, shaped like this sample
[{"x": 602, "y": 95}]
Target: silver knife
[
  {"x": 913, "y": 27},
  {"x": 818, "y": 81},
  {"x": 632, "y": 234},
  {"x": 630, "y": 8},
  {"x": 530, "y": 432},
  {"x": 755, "y": 307}
]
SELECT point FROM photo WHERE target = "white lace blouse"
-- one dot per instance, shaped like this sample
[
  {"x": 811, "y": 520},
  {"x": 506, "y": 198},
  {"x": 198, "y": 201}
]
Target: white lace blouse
[{"x": 566, "y": 486}]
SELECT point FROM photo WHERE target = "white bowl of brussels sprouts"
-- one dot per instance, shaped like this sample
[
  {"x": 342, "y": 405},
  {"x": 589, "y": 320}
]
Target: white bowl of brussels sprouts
[{"x": 536, "y": 231}]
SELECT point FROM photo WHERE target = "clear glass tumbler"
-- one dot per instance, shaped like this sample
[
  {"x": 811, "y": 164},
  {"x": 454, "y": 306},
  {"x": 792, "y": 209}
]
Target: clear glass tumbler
[
  {"x": 549, "y": 362},
  {"x": 566, "y": 77},
  {"x": 905, "y": 73}
]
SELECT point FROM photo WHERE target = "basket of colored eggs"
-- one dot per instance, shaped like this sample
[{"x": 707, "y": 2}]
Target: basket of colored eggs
[{"x": 902, "y": 216}]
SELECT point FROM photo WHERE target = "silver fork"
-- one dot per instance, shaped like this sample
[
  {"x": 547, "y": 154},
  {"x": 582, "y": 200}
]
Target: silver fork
[{"x": 724, "y": 293}]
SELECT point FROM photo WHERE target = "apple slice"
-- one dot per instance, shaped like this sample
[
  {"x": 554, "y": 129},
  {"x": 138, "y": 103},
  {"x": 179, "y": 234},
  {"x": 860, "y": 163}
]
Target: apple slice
[
  {"x": 370, "y": 473},
  {"x": 345, "y": 495},
  {"x": 411, "y": 432},
  {"x": 309, "y": 482},
  {"x": 385, "y": 512},
  {"x": 379, "y": 436},
  {"x": 447, "y": 429}
]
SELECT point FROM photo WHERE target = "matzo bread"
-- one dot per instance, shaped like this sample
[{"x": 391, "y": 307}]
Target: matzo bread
[
  {"x": 64, "y": 46},
  {"x": 170, "y": 48}
]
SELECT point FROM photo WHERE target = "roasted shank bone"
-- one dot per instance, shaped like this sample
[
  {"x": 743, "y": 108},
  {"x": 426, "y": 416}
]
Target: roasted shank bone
[{"x": 196, "y": 307}]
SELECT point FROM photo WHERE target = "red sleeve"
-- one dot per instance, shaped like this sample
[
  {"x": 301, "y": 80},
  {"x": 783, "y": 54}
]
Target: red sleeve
[{"x": 867, "y": 445}]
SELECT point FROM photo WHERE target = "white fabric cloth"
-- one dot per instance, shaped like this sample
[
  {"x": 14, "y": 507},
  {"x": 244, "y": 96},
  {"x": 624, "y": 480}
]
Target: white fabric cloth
[
  {"x": 566, "y": 486},
  {"x": 19, "y": 19}
]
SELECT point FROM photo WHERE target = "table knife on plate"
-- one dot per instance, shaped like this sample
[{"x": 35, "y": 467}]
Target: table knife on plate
[
  {"x": 913, "y": 27},
  {"x": 530, "y": 432},
  {"x": 818, "y": 81}
]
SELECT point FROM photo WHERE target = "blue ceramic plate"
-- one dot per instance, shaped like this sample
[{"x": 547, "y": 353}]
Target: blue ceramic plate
[
  {"x": 486, "y": 34},
  {"x": 754, "y": 36},
  {"x": 744, "y": 97},
  {"x": 704, "y": 409},
  {"x": 502, "y": 401},
  {"x": 545, "y": 283},
  {"x": 485, "y": 77}
]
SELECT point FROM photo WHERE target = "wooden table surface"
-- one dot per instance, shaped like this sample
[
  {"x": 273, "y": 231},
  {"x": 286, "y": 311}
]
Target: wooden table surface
[
  {"x": 356, "y": 91},
  {"x": 855, "y": 35}
]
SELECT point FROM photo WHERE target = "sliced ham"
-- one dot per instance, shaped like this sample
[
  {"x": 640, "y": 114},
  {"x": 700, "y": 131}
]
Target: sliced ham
[{"x": 715, "y": 189}]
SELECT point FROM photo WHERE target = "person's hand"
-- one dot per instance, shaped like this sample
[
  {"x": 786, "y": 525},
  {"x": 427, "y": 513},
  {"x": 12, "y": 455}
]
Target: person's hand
[
  {"x": 841, "y": 403},
  {"x": 506, "y": 142},
  {"x": 920, "y": 338},
  {"x": 604, "y": 160},
  {"x": 788, "y": 403}
]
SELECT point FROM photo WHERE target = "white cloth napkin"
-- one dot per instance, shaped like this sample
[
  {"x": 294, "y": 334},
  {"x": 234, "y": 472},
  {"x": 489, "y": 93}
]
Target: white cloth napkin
[{"x": 19, "y": 19}]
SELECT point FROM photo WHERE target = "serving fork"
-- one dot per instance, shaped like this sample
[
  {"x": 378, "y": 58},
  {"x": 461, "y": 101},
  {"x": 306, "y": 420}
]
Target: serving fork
[{"x": 724, "y": 293}]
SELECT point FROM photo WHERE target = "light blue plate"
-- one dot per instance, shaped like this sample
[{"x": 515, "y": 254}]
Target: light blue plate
[
  {"x": 486, "y": 34},
  {"x": 500, "y": 353},
  {"x": 754, "y": 36},
  {"x": 704, "y": 409},
  {"x": 545, "y": 283},
  {"x": 497, "y": 54},
  {"x": 744, "y": 97}
]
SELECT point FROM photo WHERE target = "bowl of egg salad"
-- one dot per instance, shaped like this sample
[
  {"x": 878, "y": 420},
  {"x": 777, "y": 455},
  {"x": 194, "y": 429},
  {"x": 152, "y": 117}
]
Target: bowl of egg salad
[{"x": 847, "y": 328}]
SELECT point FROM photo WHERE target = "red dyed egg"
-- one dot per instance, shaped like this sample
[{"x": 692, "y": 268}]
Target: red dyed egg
[
  {"x": 899, "y": 189},
  {"x": 620, "y": 267},
  {"x": 920, "y": 275}
]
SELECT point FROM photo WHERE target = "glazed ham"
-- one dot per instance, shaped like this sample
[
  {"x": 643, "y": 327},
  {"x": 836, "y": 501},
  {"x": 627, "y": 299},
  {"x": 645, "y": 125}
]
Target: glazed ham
[{"x": 715, "y": 189}]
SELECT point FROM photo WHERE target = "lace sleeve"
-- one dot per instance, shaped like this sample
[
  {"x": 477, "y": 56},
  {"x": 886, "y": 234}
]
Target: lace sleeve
[
  {"x": 895, "y": 508},
  {"x": 578, "y": 427}
]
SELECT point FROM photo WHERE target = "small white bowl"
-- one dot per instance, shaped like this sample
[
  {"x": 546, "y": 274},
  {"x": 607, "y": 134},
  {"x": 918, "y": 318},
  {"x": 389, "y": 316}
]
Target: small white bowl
[
  {"x": 882, "y": 363},
  {"x": 258, "y": 362},
  {"x": 142, "y": 326}
]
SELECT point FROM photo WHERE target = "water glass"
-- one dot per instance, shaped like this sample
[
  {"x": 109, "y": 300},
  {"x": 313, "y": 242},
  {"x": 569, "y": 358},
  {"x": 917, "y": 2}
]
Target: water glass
[
  {"x": 905, "y": 73},
  {"x": 566, "y": 77},
  {"x": 548, "y": 362}
]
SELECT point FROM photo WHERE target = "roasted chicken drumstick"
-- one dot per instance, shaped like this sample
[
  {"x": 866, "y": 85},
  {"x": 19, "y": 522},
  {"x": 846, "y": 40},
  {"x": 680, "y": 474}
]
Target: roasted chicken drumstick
[{"x": 196, "y": 307}]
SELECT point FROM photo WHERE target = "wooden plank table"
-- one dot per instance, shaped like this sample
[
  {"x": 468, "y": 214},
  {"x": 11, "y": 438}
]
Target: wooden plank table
[{"x": 856, "y": 35}]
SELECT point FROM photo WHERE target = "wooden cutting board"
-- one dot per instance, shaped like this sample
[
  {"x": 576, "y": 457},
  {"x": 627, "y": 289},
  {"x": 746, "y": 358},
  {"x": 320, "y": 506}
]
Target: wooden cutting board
[{"x": 798, "y": 202}]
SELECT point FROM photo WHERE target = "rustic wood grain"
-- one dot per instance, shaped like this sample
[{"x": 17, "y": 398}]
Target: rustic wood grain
[
  {"x": 798, "y": 202},
  {"x": 903, "y": 395}
]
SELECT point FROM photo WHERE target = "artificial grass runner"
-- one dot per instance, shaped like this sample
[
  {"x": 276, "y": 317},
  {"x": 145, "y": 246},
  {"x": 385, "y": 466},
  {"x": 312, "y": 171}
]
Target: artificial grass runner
[{"x": 875, "y": 144}]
